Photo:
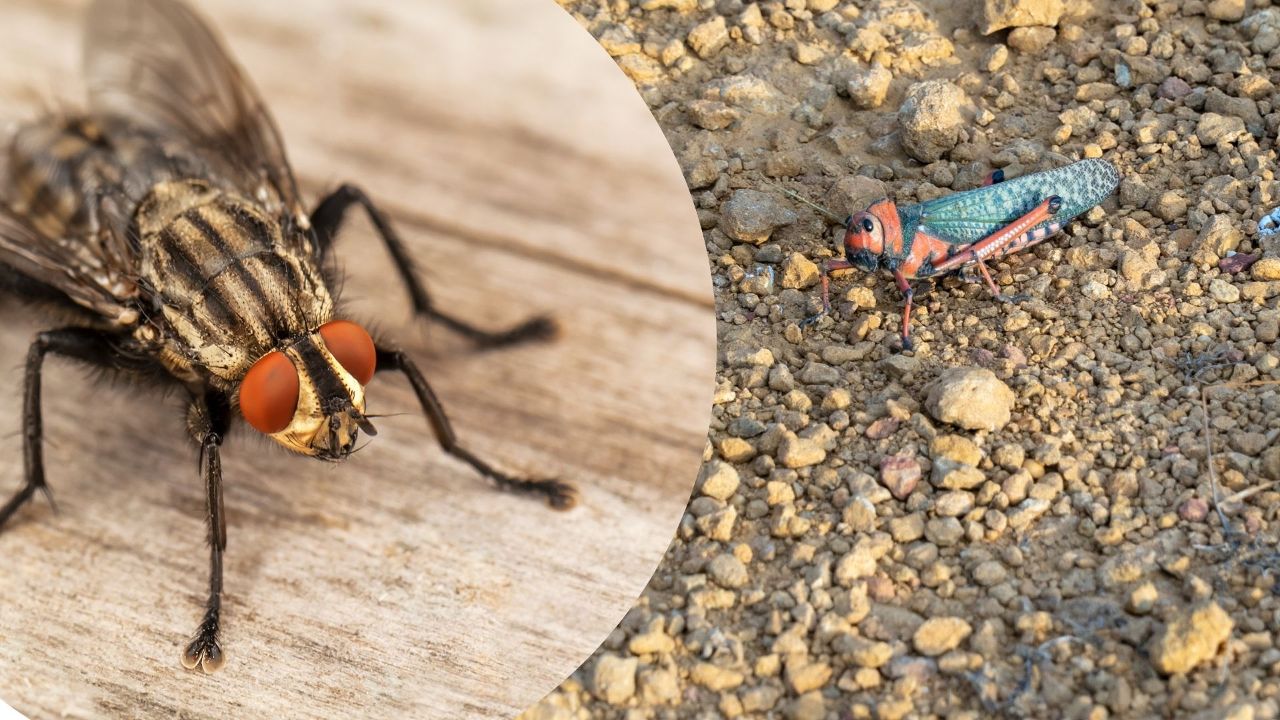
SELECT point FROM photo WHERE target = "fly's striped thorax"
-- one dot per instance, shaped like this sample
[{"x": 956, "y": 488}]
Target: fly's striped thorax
[{"x": 229, "y": 287}]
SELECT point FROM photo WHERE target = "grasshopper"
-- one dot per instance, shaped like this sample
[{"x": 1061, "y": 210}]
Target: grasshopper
[{"x": 967, "y": 229}]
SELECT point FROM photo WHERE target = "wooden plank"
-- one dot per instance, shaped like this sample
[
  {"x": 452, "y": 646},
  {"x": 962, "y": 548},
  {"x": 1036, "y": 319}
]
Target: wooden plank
[{"x": 527, "y": 176}]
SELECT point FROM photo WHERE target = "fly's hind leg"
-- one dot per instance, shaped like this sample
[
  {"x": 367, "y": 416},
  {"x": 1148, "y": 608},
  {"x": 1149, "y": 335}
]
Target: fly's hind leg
[
  {"x": 208, "y": 420},
  {"x": 560, "y": 495},
  {"x": 327, "y": 219},
  {"x": 87, "y": 345}
]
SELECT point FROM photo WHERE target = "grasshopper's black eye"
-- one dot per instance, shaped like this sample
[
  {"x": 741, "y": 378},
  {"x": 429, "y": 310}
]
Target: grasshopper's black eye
[{"x": 867, "y": 225}]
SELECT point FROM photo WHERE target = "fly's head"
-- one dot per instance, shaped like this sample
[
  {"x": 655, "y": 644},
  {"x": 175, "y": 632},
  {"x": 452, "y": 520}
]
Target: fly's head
[
  {"x": 864, "y": 236},
  {"x": 309, "y": 395}
]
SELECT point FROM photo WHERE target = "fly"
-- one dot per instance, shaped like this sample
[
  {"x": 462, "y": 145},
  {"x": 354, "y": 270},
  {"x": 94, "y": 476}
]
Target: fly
[{"x": 166, "y": 220}]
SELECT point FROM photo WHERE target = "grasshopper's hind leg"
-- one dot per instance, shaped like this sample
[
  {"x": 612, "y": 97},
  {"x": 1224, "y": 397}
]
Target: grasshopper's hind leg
[
  {"x": 995, "y": 289},
  {"x": 560, "y": 495},
  {"x": 327, "y": 219}
]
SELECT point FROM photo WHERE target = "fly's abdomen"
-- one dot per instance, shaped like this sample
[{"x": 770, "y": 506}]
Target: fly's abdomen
[{"x": 220, "y": 274}]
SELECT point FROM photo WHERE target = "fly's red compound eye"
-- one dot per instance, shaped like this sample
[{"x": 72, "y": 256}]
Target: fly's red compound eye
[
  {"x": 352, "y": 347},
  {"x": 269, "y": 393}
]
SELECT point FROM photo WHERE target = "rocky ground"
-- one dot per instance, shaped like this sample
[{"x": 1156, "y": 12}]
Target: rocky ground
[{"x": 1059, "y": 508}]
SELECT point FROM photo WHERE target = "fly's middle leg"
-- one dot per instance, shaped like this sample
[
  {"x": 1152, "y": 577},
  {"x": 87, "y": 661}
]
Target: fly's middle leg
[
  {"x": 209, "y": 419},
  {"x": 91, "y": 346},
  {"x": 559, "y": 495},
  {"x": 327, "y": 219}
]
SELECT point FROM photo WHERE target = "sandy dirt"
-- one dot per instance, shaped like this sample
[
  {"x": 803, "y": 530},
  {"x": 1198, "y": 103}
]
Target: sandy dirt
[{"x": 1064, "y": 507}]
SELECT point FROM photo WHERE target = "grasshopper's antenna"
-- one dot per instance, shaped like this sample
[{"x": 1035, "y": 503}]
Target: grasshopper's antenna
[{"x": 796, "y": 196}]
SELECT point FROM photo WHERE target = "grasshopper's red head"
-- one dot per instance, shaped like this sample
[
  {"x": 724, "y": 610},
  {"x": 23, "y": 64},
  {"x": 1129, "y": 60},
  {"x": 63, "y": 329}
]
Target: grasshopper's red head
[
  {"x": 867, "y": 232},
  {"x": 309, "y": 395}
]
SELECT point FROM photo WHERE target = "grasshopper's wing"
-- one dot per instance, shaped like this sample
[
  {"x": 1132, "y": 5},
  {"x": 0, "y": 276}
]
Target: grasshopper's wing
[
  {"x": 967, "y": 217},
  {"x": 157, "y": 64}
]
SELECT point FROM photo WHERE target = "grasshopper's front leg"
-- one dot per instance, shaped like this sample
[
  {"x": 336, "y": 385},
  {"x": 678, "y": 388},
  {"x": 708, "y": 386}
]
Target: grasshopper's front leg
[
  {"x": 824, "y": 272},
  {"x": 908, "y": 294}
]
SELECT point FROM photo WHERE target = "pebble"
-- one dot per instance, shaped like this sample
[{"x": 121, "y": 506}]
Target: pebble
[
  {"x": 714, "y": 677},
  {"x": 1191, "y": 637},
  {"x": 900, "y": 475},
  {"x": 751, "y": 216},
  {"x": 1193, "y": 509},
  {"x": 708, "y": 38},
  {"x": 1001, "y": 14},
  {"x": 1033, "y": 41},
  {"x": 727, "y": 571},
  {"x": 936, "y": 636},
  {"x": 931, "y": 119},
  {"x": 947, "y": 474},
  {"x": 1227, "y": 10},
  {"x": 972, "y": 398},
  {"x": 868, "y": 88},
  {"x": 613, "y": 679},
  {"x": 1266, "y": 269},
  {"x": 797, "y": 452},
  {"x": 799, "y": 272},
  {"x": 718, "y": 480}
]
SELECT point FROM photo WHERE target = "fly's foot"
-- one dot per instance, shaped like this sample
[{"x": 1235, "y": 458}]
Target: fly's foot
[
  {"x": 558, "y": 494},
  {"x": 204, "y": 652},
  {"x": 536, "y": 329}
]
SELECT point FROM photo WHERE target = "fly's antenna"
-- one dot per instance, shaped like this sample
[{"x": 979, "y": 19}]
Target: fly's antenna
[{"x": 797, "y": 196}]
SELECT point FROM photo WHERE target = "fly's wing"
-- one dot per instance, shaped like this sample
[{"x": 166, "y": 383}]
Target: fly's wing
[
  {"x": 91, "y": 267},
  {"x": 158, "y": 65},
  {"x": 967, "y": 217}
]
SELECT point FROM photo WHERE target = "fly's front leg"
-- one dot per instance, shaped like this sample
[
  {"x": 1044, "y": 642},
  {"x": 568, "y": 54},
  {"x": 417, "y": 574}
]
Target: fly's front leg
[
  {"x": 208, "y": 420},
  {"x": 327, "y": 219},
  {"x": 826, "y": 268},
  {"x": 560, "y": 495},
  {"x": 91, "y": 346}
]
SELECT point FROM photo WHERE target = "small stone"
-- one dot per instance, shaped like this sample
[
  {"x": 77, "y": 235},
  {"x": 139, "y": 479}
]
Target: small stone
[
  {"x": 936, "y": 636},
  {"x": 1226, "y": 10},
  {"x": 751, "y": 216},
  {"x": 900, "y": 474},
  {"x": 797, "y": 452},
  {"x": 1223, "y": 291},
  {"x": 1001, "y": 14},
  {"x": 809, "y": 706},
  {"x": 1236, "y": 263},
  {"x": 712, "y": 114},
  {"x": 709, "y": 38},
  {"x": 972, "y": 398},
  {"x": 1033, "y": 41},
  {"x": 1266, "y": 269},
  {"x": 653, "y": 642},
  {"x": 642, "y": 69},
  {"x": 714, "y": 677},
  {"x": 989, "y": 573},
  {"x": 947, "y": 474},
  {"x": 882, "y": 428},
  {"x": 718, "y": 480},
  {"x": 1193, "y": 509},
  {"x": 613, "y": 679},
  {"x": 798, "y": 272},
  {"x": 1192, "y": 637},
  {"x": 1171, "y": 205},
  {"x": 1142, "y": 599},
  {"x": 858, "y": 563},
  {"x": 957, "y": 448},
  {"x": 807, "y": 676},
  {"x": 727, "y": 571},
  {"x": 995, "y": 58},
  {"x": 931, "y": 120},
  {"x": 953, "y": 504},
  {"x": 1173, "y": 88},
  {"x": 807, "y": 53},
  {"x": 1218, "y": 237},
  {"x": 1214, "y": 128},
  {"x": 868, "y": 88}
]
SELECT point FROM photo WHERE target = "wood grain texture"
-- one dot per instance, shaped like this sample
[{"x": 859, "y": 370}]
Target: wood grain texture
[{"x": 527, "y": 176}]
